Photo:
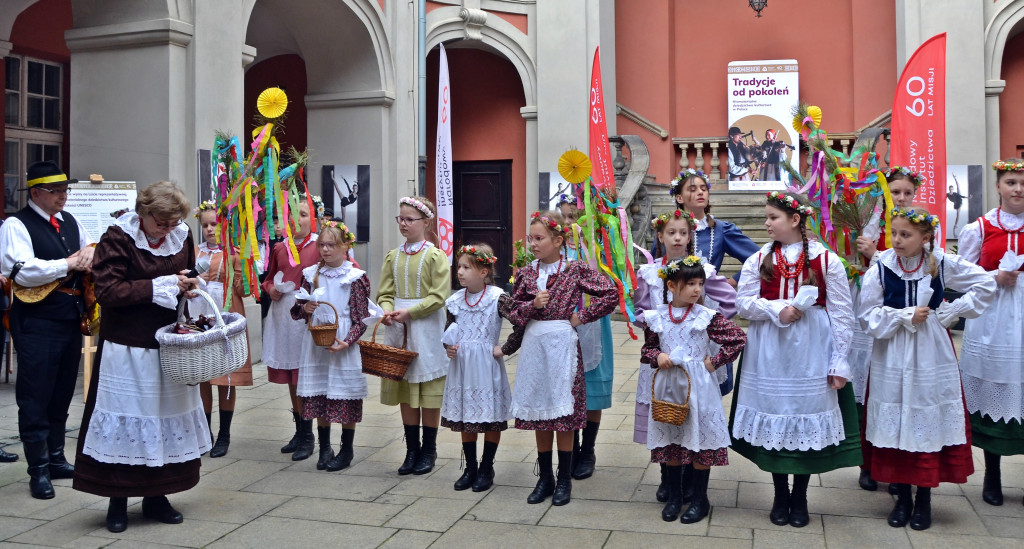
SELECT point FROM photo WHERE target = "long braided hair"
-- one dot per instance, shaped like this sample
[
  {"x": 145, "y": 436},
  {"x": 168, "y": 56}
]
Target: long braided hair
[{"x": 767, "y": 270}]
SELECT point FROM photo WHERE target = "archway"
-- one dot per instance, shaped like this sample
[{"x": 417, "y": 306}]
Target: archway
[{"x": 1011, "y": 110}]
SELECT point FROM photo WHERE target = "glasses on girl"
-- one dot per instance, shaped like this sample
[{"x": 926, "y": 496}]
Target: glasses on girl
[{"x": 406, "y": 220}]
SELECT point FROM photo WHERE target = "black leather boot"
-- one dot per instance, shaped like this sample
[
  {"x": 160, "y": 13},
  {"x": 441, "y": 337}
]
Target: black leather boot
[
  {"x": 780, "y": 506},
  {"x": 117, "y": 515},
  {"x": 307, "y": 442},
  {"x": 687, "y": 482},
  {"x": 546, "y": 483},
  {"x": 900, "y": 514},
  {"x": 921, "y": 519},
  {"x": 323, "y": 436},
  {"x": 59, "y": 466},
  {"x": 674, "y": 501},
  {"x": 866, "y": 482},
  {"x": 798, "y": 516},
  {"x": 428, "y": 452},
  {"x": 894, "y": 489},
  {"x": 7, "y": 457},
  {"x": 663, "y": 487},
  {"x": 345, "y": 453},
  {"x": 992, "y": 487},
  {"x": 38, "y": 459},
  {"x": 485, "y": 476},
  {"x": 159, "y": 509},
  {"x": 584, "y": 466},
  {"x": 469, "y": 473},
  {"x": 220, "y": 448},
  {"x": 294, "y": 442},
  {"x": 412, "y": 449},
  {"x": 563, "y": 484},
  {"x": 700, "y": 506}
]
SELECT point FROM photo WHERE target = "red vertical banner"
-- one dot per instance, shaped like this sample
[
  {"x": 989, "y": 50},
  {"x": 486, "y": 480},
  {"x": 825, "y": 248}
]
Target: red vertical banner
[
  {"x": 919, "y": 125},
  {"x": 600, "y": 150}
]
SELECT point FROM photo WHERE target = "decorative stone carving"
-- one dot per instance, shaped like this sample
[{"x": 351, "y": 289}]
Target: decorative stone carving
[{"x": 474, "y": 20}]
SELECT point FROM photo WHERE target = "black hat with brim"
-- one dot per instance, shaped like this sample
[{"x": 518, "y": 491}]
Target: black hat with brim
[{"x": 46, "y": 173}]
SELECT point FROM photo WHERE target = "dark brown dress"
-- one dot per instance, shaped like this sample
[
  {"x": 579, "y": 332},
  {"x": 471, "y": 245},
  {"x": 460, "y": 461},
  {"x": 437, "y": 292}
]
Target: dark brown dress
[{"x": 123, "y": 276}]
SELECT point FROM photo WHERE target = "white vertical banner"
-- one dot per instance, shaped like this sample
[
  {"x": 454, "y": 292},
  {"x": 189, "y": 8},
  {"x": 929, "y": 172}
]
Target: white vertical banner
[
  {"x": 443, "y": 161},
  {"x": 762, "y": 95}
]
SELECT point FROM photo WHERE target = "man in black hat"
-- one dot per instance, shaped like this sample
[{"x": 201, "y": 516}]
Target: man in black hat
[
  {"x": 740, "y": 156},
  {"x": 40, "y": 245}
]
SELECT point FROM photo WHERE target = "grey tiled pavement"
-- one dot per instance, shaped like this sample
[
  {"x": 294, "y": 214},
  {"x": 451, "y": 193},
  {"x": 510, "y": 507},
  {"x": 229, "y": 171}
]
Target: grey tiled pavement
[{"x": 258, "y": 497}]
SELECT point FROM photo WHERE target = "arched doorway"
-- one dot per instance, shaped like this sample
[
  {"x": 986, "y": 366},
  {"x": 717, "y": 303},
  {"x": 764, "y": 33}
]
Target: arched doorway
[{"x": 1011, "y": 107}]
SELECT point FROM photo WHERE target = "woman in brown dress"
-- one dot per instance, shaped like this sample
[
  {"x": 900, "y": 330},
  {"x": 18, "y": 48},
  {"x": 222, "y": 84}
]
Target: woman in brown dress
[{"x": 142, "y": 434}]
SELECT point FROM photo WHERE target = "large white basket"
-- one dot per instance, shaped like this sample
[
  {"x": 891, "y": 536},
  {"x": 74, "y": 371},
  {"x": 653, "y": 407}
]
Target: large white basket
[{"x": 199, "y": 357}]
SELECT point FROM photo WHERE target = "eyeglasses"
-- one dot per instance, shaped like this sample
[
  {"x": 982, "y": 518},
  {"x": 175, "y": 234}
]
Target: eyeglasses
[
  {"x": 407, "y": 220},
  {"x": 65, "y": 191},
  {"x": 162, "y": 225},
  {"x": 327, "y": 245}
]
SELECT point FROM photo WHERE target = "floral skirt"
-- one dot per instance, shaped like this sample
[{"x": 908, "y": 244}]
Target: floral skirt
[
  {"x": 466, "y": 427},
  {"x": 675, "y": 452},
  {"x": 334, "y": 411}
]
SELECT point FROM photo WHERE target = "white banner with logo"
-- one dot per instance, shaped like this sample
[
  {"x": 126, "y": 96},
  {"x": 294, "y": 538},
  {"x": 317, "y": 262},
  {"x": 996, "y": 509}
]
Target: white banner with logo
[
  {"x": 443, "y": 161},
  {"x": 762, "y": 95}
]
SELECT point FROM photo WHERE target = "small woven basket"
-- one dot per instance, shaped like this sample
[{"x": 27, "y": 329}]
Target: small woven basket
[
  {"x": 324, "y": 334},
  {"x": 190, "y": 359},
  {"x": 384, "y": 360},
  {"x": 671, "y": 413}
]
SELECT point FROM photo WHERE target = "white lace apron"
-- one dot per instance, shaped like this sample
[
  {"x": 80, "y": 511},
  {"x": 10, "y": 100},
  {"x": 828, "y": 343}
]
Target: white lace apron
[
  {"x": 547, "y": 368},
  {"x": 424, "y": 338}
]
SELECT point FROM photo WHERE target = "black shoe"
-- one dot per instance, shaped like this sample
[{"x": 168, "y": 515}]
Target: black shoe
[
  {"x": 326, "y": 454},
  {"x": 866, "y": 482},
  {"x": 686, "y": 479},
  {"x": 60, "y": 468},
  {"x": 424, "y": 463},
  {"x": 160, "y": 510},
  {"x": 7, "y": 457},
  {"x": 992, "y": 489},
  {"x": 563, "y": 492},
  {"x": 545, "y": 487},
  {"x": 662, "y": 494},
  {"x": 484, "y": 478},
  {"x": 893, "y": 490},
  {"x": 220, "y": 448},
  {"x": 584, "y": 466},
  {"x": 117, "y": 515},
  {"x": 411, "y": 458},
  {"x": 921, "y": 519},
  {"x": 674, "y": 499},
  {"x": 700, "y": 507},
  {"x": 342, "y": 460},
  {"x": 39, "y": 482},
  {"x": 307, "y": 442},
  {"x": 798, "y": 515},
  {"x": 468, "y": 478},
  {"x": 903, "y": 508},
  {"x": 296, "y": 438},
  {"x": 780, "y": 511}
]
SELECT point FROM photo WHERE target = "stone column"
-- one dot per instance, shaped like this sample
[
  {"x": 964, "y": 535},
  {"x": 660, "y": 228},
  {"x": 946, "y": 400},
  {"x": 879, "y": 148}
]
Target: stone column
[{"x": 529, "y": 113}]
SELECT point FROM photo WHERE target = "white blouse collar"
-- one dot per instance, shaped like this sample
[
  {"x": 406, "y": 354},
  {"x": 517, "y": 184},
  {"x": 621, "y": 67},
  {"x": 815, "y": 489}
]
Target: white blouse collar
[
  {"x": 702, "y": 223},
  {"x": 891, "y": 261},
  {"x": 1009, "y": 220},
  {"x": 131, "y": 225}
]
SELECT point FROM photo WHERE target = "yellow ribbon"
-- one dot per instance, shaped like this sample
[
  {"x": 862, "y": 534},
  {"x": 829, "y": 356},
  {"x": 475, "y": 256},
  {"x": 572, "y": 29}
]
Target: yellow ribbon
[{"x": 47, "y": 179}]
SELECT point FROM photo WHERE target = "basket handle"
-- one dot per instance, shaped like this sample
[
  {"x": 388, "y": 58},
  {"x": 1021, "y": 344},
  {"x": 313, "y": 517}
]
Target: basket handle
[
  {"x": 689, "y": 382},
  {"x": 405, "y": 332},
  {"x": 213, "y": 304},
  {"x": 318, "y": 304}
]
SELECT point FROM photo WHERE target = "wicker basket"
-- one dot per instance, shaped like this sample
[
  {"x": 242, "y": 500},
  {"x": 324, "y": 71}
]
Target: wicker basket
[
  {"x": 194, "y": 358},
  {"x": 384, "y": 360},
  {"x": 324, "y": 335},
  {"x": 671, "y": 413}
]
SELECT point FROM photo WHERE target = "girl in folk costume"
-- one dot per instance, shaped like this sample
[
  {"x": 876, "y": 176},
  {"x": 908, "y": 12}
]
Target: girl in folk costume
[
  {"x": 477, "y": 397},
  {"x": 212, "y": 281},
  {"x": 598, "y": 364},
  {"x": 331, "y": 380},
  {"x": 678, "y": 337},
  {"x": 993, "y": 358},
  {"x": 674, "y": 232},
  {"x": 550, "y": 393},
  {"x": 903, "y": 184},
  {"x": 916, "y": 430},
  {"x": 793, "y": 412},
  {"x": 415, "y": 280},
  {"x": 282, "y": 336}
]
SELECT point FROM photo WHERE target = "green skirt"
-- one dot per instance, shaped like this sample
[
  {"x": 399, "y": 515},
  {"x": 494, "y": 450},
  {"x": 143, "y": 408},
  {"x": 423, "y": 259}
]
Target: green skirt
[
  {"x": 997, "y": 437},
  {"x": 811, "y": 462}
]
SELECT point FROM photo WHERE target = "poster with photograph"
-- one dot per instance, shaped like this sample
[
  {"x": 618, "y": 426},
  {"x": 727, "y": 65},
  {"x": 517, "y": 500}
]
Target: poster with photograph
[
  {"x": 963, "y": 184},
  {"x": 552, "y": 185},
  {"x": 92, "y": 203},
  {"x": 762, "y": 95},
  {"x": 346, "y": 195}
]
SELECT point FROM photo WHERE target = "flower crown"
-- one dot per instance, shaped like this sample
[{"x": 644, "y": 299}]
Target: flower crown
[
  {"x": 423, "y": 209},
  {"x": 660, "y": 221},
  {"x": 1004, "y": 166},
  {"x": 789, "y": 202},
  {"x": 674, "y": 266},
  {"x": 913, "y": 176},
  {"x": 915, "y": 216},
  {"x": 550, "y": 224},
  {"x": 683, "y": 176},
  {"x": 565, "y": 199},
  {"x": 204, "y": 206},
  {"x": 318, "y": 205},
  {"x": 480, "y": 256},
  {"x": 346, "y": 235}
]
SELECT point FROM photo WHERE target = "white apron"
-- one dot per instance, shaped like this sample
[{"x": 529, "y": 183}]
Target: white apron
[
  {"x": 283, "y": 335},
  {"x": 424, "y": 338},
  {"x": 547, "y": 368}
]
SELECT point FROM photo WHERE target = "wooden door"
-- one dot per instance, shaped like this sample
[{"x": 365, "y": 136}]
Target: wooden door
[{"x": 483, "y": 210}]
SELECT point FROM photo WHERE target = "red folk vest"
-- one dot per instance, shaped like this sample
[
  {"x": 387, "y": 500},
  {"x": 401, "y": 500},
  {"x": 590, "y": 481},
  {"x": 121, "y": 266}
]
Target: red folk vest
[
  {"x": 995, "y": 242},
  {"x": 770, "y": 287}
]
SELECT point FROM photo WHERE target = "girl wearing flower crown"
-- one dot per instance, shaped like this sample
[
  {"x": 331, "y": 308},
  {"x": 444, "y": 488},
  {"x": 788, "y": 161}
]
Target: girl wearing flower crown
[
  {"x": 415, "y": 281},
  {"x": 674, "y": 232},
  {"x": 282, "y": 336},
  {"x": 916, "y": 425},
  {"x": 477, "y": 397},
  {"x": 213, "y": 283},
  {"x": 331, "y": 380},
  {"x": 550, "y": 393},
  {"x": 793, "y": 412},
  {"x": 677, "y": 342},
  {"x": 992, "y": 359}
]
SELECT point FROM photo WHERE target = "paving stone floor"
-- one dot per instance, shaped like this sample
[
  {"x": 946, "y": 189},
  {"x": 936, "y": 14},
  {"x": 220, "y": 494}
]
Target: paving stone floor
[{"x": 258, "y": 497}]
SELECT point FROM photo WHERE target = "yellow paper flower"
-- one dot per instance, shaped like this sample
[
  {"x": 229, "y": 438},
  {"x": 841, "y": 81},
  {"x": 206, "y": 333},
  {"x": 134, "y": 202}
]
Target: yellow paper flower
[
  {"x": 574, "y": 166},
  {"x": 814, "y": 112},
  {"x": 272, "y": 102}
]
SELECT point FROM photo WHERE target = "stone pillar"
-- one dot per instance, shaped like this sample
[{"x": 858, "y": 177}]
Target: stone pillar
[
  {"x": 529, "y": 113},
  {"x": 993, "y": 89}
]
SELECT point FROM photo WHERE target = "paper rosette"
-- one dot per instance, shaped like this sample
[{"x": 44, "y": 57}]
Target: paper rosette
[
  {"x": 813, "y": 112},
  {"x": 574, "y": 166},
  {"x": 272, "y": 103}
]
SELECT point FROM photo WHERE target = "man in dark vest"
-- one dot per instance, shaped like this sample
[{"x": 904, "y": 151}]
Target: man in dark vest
[{"x": 39, "y": 245}]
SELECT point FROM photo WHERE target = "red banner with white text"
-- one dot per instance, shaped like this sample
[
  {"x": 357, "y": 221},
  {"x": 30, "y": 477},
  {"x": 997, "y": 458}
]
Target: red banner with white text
[
  {"x": 600, "y": 151},
  {"x": 919, "y": 125}
]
